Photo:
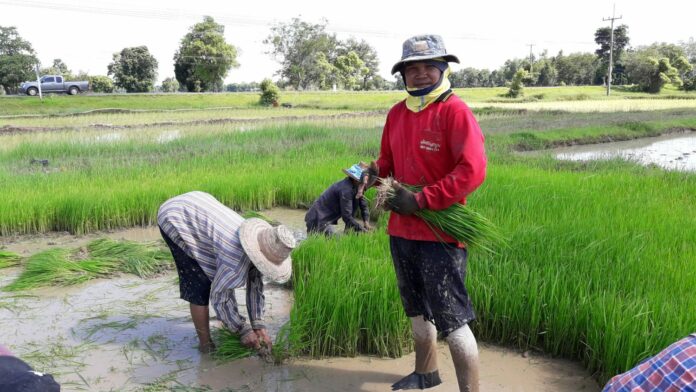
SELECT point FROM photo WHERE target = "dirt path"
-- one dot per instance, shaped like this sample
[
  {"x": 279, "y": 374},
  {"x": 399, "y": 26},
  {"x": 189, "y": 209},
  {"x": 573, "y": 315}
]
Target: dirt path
[{"x": 127, "y": 333}]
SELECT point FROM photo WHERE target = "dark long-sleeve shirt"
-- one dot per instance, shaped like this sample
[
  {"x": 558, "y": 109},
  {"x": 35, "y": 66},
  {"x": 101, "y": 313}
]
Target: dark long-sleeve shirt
[{"x": 338, "y": 201}]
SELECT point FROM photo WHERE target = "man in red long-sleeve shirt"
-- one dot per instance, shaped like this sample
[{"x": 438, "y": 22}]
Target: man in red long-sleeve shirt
[{"x": 431, "y": 139}]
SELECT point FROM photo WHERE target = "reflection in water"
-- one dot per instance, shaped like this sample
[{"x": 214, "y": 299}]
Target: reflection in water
[{"x": 672, "y": 153}]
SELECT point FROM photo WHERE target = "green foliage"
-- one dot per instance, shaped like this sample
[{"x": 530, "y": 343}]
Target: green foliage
[
  {"x": 170, "y": 85},
  {"x": 517, "y": 85},
  {"x": 650, "y": 72},
  {"x": 134, "y": 69},
  {"x": 229, "y": 347},
  {"x": 101, "y": 84},
  {"x": 270, "y": 94},
  {"x": 690, "y": 84},
  {"x": 17, "y": 59},
  {"x": 204, "y": 57},
  {"x": 312, "y": 58},
  {"x": 576, "y": 68},
  {"x": 603, "y": 39},
  {"x": 58, "y": 68}
]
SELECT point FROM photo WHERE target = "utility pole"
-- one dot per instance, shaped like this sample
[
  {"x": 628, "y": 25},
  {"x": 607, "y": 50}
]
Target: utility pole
[
  {"x": 531, "y": 58},
  {"x": 38, "y": 80},
  {"x": 611, "y": 48}
]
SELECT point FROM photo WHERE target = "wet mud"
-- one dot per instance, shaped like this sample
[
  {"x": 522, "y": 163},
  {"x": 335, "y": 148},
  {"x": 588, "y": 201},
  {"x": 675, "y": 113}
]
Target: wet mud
[{"x": 132, "y": 334}]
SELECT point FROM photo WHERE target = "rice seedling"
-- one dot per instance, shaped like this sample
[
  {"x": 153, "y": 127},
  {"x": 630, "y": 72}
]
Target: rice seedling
[
  {"x": 141, "y": 259},
  {"x": 459, "y": 221},
  {"x": 60, "y": 267},
  {"x": 9, "y": 259},
  {"x": 229, "y": 346}
]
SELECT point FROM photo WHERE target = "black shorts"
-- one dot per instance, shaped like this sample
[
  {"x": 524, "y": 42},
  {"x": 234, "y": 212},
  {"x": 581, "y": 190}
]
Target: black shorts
[
  {"x": 194, "y": 285},
  {"x": 431, "y": 278}
]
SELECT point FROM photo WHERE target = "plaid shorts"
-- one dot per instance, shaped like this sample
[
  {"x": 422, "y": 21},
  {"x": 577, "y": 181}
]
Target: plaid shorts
[
  {"x": 194, "y": 285},
  {"x": 431, "y": 277}
]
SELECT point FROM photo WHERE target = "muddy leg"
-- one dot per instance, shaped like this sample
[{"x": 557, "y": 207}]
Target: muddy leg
[
  {"x": 201, "y": 321},
  {"x": 426, "y": 374},
  {"x": 464, "y": 350}
]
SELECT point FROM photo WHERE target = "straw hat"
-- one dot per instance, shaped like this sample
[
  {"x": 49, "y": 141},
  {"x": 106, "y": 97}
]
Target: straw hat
[{"x": 268, "y": 248}]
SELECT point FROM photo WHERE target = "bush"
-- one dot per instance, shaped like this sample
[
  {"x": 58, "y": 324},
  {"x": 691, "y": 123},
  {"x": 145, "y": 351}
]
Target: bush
[
  {"x": 101, "y": 84},
  {"x": 170, "y": 85},
  {"x": 689, "y": 84},
  {"x": 270, "y": 93},
  {"x": 517, "y": 86}
]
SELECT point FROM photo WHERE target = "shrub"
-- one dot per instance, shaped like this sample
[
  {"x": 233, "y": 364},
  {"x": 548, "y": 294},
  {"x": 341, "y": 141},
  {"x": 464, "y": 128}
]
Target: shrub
[
  {"x": 269, "y": 93},
  {"x": 689, "y": 84},
  {"x": 517, "y": 85},
  {"x": 170, "y": 85},
  {"x": 101, "y": 84}
]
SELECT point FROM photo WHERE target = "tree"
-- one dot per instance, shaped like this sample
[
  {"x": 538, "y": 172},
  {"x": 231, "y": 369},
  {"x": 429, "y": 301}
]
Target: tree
[
  {"x": 603, "y": 39},
  {"x": 351, "y": 71},
  {"x": 368, "y": 55},
  {"x": 170, "y": 85},
  {"x": 101, "y": 84},
  {"x": 295, "y": 47},
  {"x": 134, "y": 69},
  {"x": 269, "y": 93},
  {"x": 517, "y": 85},
  {"x": 650, "y": 71},
  {"x": 204, "y": 57},
  {"x": 58, "y": 68},
  {"x": 17, "y": 59}
]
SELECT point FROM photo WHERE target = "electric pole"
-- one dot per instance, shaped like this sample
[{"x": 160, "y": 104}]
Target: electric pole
[
  {"x": 531, "y": 58},
  {"x": 611, "y": 48}
]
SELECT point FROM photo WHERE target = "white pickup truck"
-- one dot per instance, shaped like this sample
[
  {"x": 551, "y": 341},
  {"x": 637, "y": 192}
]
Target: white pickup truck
[{"x": 53, "y": 84}]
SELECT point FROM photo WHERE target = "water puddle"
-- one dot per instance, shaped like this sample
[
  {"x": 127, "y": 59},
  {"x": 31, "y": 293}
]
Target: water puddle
[
  {"x": 669, "y": 152},
  {"x": 132, "y": 334}
]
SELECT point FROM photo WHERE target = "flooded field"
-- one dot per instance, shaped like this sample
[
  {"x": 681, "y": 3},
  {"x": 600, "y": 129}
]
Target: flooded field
[
  {"x": 672, "y": 152},
  {"x": 132, "y": 334}
]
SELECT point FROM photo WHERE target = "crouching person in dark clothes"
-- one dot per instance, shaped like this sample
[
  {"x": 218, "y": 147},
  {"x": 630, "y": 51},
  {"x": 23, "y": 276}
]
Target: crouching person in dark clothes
[
  {"x": 217, "y": 251},
  {"x": 17, "y": 376},
  {"x": 341, "y": 200}
]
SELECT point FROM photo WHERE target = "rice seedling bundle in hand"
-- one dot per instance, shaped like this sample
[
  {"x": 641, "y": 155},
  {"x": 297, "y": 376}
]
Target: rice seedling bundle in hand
[
  {"x": 229, "y": 346},
  {"x": 459, "y": 221},
  {"x": 9, "y": 259}
]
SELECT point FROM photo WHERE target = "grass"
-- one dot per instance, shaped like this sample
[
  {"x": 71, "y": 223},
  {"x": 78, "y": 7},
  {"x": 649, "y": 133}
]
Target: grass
[
  {"x": 101, "y": 258},
  {"x": 229, "y": 346}
]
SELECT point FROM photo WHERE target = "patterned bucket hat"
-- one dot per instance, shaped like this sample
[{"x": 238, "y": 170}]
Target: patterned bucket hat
[{"x": 423, "y": 47}]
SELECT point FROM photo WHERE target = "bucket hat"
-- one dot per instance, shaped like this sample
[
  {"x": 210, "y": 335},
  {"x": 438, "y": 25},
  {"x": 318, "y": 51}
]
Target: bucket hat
[
  {"x": 423, "y": 47},
  {"x": 356, "y": 171},
  {"x": 268, "y": 248}
]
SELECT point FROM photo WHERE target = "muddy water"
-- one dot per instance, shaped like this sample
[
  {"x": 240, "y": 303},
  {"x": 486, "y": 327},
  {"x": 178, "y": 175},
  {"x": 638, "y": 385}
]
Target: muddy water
[
  {"x": 672, "y": 152},
  {"x": 125, "y": 333}
]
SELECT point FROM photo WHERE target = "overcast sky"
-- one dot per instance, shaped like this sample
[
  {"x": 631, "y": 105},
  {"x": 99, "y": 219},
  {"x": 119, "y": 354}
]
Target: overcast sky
[{"x": 483, "y": 34}]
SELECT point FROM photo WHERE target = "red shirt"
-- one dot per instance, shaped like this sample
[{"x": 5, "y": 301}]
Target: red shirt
[{"x": 440, "y": 148}]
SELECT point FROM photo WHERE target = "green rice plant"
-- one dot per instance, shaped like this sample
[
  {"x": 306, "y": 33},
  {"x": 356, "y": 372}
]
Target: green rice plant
[
  {"x": 229, "y": 346},
  {"x": 9, "y": 259},
  {"x": 346, "y": 299},
  {"x": 60, "y": 267},
  {"x": 141, "y": 259},
  {"x": 459, "y": 221}
]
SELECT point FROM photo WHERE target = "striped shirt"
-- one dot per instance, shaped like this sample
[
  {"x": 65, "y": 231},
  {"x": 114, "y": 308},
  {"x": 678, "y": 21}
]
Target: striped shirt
[
  {"x": 671, "y": 370},
  {"x": 208, "y": 232}
]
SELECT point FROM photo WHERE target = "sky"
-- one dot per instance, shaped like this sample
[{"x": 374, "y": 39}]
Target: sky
[{"x": 483, "y": 34}]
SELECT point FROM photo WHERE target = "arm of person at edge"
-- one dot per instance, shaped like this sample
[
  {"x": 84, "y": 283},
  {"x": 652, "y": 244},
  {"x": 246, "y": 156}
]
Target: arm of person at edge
[
  {"x": 465, "y": 143},
  {"x": 346, "y": 200},
  {"x": 256, "y": 301},
  {"x": 225, "y": 304},
  {"x": 365, "y": 213}
]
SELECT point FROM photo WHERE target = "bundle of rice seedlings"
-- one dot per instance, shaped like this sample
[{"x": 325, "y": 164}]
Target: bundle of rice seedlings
[
  {"x": 132, "y": 257},
  {"x": 62, "y": 267},
  {"x": 9, "y": 259},
  {"x": 229, "y": 346},
  {"x": 459, "y": 221}
]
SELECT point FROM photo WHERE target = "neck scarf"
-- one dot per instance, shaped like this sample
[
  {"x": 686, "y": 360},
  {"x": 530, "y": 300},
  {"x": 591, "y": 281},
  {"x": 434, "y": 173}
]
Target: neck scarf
[{"x": 418, "y": 100}]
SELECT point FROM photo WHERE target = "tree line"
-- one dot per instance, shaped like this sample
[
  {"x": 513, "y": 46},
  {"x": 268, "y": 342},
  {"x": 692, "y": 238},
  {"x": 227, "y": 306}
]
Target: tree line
[{"x": 310, "y": 58}]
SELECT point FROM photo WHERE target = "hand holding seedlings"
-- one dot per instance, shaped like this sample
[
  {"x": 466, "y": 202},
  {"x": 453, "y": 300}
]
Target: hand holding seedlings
[
  {"x": 404, "y": 201},
  {"x": 264, "y": 339},
  {"x": 251, "y": 340}
]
